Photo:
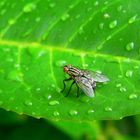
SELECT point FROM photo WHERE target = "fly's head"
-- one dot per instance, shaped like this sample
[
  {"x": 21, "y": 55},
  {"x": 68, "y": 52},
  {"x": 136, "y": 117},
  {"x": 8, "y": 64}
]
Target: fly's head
[{"x": 67, "y": 68}]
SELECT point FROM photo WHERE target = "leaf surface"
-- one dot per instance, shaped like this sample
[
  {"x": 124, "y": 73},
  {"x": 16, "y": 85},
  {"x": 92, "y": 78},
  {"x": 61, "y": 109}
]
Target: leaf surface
[{"x": 37, "y": 38}]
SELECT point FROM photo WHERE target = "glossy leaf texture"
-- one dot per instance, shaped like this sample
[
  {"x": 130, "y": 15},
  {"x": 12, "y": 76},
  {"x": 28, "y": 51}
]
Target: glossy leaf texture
[{"x": 38, "y": 37}]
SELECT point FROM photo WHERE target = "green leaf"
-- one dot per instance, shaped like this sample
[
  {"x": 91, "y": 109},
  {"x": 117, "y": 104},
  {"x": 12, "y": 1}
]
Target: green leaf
[{"x": 39, "y": 37}]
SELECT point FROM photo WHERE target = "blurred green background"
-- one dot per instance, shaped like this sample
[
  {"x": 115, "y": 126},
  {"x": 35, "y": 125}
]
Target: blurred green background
[{"x": 22, "y": 127}]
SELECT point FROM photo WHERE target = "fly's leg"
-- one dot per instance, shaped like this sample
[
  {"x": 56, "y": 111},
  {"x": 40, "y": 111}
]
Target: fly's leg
[
  {"x": 70, "y": 88},
  {"x": 65, "y": 83},
  {"x": 77, "y": 91}
]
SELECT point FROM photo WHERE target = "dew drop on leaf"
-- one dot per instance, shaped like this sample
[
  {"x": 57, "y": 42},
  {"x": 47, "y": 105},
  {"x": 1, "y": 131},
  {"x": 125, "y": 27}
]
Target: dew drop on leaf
[
  {"x": 1, "y": 91},
  {"x": 38, "y": 89},
  {"x": 48, "y": 97},
  {"x": 122, "y": 89},
  {"x": 65, "y": 16},
  {"x": 86, "y": 2},
  {"x": 113, "y": 24},
  {"x": 132, "y": 96},
  {"x": 130, "y": 46},
  {"x": 85, "y": 99},
  {"x": 1, "y": 102},
  {"x": 53, "y": 102},
  {"x": 73, "y": 112},
  {"x": 11, "y": 21},
  {"x": 81, "y": 31},
  {"x": 106, "y": 15},
  {"x": 132, "y": 19},
  {"x": 77, "y": 16},
  {"x": 15, "y": 75},
  {"x": 96, "y": 3},
  {"x": 108, "y": 109},
  {"x": 52, "y": 5},
  {"x": 3, "y": 11},
  {"x": 60, "y": 63},
  {"x": 85, "y": 65},
  {"x": 129, "y": 73},
  {"x": 9, "y": 60},
  {"x": 89, "y": 9},
  {"x": 101, "y": 26},
  {"x": 33, "y": 113},
  {"x": 28, "y": 103},
  {"x": 90, "y": 111},
  {"x": 119, "y": 8},
  {"x": 37, "y": 19},
  {"x": 56, "y": 113},
  {"x": 29, "y": 7},
  {"x": 118, "y": 85}
]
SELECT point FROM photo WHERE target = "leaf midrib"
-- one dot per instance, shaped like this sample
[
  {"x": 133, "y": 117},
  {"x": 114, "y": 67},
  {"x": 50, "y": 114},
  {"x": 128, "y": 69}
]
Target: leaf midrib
[{"x": 11, "y": 43}]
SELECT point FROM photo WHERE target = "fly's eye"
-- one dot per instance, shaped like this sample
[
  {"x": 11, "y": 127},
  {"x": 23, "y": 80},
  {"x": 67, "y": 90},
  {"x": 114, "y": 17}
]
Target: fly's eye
[{"x": 65, "y": 69}]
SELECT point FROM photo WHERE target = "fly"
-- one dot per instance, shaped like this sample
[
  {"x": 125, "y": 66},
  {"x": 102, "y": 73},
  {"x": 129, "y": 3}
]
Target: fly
[{"x": 84, "y": 79}]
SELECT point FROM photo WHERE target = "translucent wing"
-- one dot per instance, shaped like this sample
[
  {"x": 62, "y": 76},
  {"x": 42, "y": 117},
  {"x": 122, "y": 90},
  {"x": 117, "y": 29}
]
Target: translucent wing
[
  {"x": 97, "y": 77},
  {"x": 85, "y": 85}
]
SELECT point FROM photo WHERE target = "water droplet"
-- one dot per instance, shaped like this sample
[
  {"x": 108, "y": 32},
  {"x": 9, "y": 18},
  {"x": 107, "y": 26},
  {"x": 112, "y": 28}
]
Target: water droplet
[
  {"x": 119, "y": 8},
  {"x": 108, "y": 109},
  {"x": 17, "y": 65},
  {"x": 71, "y": 6},
  {"x": 15, "y": 75},
  {"x": 99, "y": 47},
  {"x": 118, "y": 85},
  {"x": 85, "y": 99},
  {"x": 3, "y": 11},
  {"x": 40, "y": 53},
  {"x": 56, "y": 113},
  {"x": 106, "y": 15},
  {"x": 130, "y": 46},
  {"x": 113, "y": 24},
  {"x": 101, "y": 26},
  {"x": 129, "y": 73},
  {"x": 109, "y": 37},
  {"x": 77, "y": 16},
  {"x": 53, "y": 102},
  {"x": 28, "y": 103},
  {"x": 6, "y": 49},
  {"x": 60, "y": 63},
  {"x": 89, "y": 9},
  {"x": 106, "y": 2},
  {"x": 11, "y": 21},
  {"x": 122, "y": 89},
  {"x": 29, "y": 7},
  {"x": 52, "y": 5},
  {"x": 49, "y": 97},
  {"x": 9, "y": 59},
  {"x": 85, "y": 65},
  {"x": 90, "y": 111},
  {"x": 65, "y": 16},
  {"x": 136, "y": 67},
  {"x": 96, "y": 3},
  {"x": 132, "y": 96},
  {"x": 2, "y": 3},
  {"x": 81, "y": 31},
  {"x": 73, "y": 112},
  {"x": 1, "y": 102},
  {"x": 132, "y": 19},
  {"x": 33, "y": 113},
  {"x": 38, "y": 89},
  {"x": 86, "y": 2},
  {"x": 37, "y": 19}
]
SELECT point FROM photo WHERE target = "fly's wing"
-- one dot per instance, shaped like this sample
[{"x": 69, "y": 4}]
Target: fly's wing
[
  {"x": 85, "y": 85},
  {"x": 97, "y": 77}
]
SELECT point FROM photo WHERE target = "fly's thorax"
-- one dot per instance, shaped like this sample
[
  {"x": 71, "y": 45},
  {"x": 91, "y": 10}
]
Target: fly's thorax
[{"x": 74, "y": 72}]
